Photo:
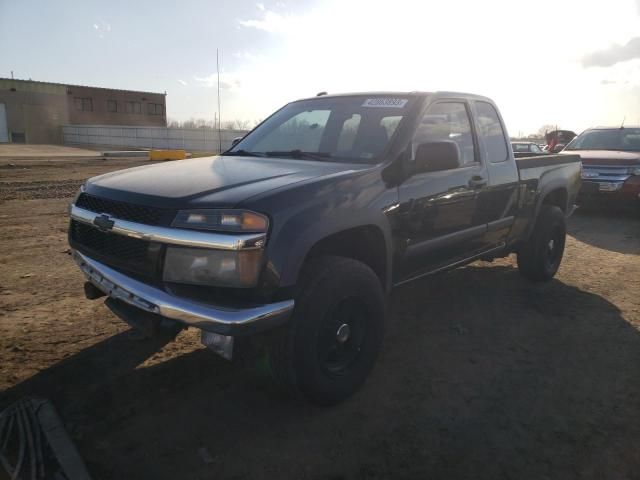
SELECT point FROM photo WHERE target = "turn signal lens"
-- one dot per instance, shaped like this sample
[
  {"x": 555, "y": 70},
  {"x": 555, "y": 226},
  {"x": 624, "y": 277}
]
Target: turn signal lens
[{"x": 222, "y": 220}]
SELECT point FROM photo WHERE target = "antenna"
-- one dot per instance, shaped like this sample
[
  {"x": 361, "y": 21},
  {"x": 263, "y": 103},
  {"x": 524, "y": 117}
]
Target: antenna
[
  {"x": 219, "y": 113},
  {"x": 622, "y": 125}
]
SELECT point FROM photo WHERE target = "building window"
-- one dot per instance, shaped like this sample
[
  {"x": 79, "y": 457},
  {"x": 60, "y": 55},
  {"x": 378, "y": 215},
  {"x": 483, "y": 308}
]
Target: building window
[
  {"x": 132, "y": 107},
  {"x": 155, "y": 108},
  {"x": 83, "y": 104},
  {"x": 112, "y": 106}
]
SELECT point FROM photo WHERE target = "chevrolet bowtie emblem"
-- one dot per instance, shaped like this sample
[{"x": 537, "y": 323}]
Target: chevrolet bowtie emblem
[{"x": 103, "y": 222}]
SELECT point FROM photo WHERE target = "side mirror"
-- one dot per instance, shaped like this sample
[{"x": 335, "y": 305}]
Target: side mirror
[
  {"x": 559, "y": 147},
  {"x": 235, "y": 141},
  {"x": 436, "y": 156}
]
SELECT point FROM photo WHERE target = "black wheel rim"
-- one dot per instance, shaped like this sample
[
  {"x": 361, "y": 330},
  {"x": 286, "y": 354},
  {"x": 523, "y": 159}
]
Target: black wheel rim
[
  {"x": 342, "y": 336},
  {"x": 554, "y": 248}
]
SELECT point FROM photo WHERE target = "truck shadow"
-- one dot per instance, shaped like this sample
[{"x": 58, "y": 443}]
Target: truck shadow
[
  {"x": 609, "y": 229},
  {"x": 483, "y": 375}
]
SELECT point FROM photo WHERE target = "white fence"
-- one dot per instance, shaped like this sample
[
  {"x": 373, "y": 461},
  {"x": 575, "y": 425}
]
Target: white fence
[{"x": 190, "y": 139}]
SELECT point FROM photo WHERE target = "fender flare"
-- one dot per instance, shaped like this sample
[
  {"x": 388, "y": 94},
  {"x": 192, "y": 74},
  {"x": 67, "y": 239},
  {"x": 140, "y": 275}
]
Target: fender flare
[
  {"x": 553, "y": 185},
  {"x": 322, "y": 230}
]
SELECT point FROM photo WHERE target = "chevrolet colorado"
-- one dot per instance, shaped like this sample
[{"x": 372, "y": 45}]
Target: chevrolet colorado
[{"x": 298, "y": 232}]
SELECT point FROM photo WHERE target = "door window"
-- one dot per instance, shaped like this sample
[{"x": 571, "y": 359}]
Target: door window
[{"x": 447, "y": 121}]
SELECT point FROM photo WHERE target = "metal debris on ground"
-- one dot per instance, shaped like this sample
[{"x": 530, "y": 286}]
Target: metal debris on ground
[{"x": 34, "y": 444}]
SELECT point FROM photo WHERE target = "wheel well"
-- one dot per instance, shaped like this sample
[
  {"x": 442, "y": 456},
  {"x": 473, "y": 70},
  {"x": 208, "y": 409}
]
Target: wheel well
[
  {"x": 557, "y": 198},
  {"x": 365, "y": 244}
]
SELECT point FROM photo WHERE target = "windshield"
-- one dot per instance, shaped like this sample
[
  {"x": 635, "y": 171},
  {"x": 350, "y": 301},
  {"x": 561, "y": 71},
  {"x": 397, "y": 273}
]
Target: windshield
[
  {"x": 626, "y": 139},
  {"x": 520, "y": 147},
  {"x": 350, "y": 129}
]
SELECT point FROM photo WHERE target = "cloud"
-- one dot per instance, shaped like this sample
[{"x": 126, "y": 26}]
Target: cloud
[
  {"x": 228, "y": 81},
  {"x": 244, "y": 55},
  {"x": 614, "y": 54},
  {"x": 271, "y": 22},
  {"x": 101, "y": 28},
  {"x": 182, "y": 82},
  {"x": 261, "y": 6}
]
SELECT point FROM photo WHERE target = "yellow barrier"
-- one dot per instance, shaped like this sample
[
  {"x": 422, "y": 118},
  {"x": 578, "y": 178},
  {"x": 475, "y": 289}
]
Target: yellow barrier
[{"x": 167, "y": 155}]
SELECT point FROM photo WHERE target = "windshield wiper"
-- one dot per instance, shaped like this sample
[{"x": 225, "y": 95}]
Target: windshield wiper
[
  {"x": 245, "y": 153},
  {"x": 300, "y": 154}
]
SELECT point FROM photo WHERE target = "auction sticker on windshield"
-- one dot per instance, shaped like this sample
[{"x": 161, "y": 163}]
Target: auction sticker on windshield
[{"x": 385, "y": 102}]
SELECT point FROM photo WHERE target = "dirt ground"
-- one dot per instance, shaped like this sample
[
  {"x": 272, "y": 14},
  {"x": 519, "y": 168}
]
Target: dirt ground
[
  {"x": 10, "y": 150},
  {"x": 483, "y": 375}
]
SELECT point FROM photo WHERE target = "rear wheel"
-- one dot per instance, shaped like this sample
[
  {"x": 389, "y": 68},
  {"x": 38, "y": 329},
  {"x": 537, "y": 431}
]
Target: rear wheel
[
  {"x": 539, "y": 259},
  {"x": 331, "y": 343}
]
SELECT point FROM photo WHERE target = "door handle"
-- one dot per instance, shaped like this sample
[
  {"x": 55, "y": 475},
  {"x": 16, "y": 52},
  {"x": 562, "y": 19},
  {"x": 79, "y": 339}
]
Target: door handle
[{"x": 477, "y": 182}]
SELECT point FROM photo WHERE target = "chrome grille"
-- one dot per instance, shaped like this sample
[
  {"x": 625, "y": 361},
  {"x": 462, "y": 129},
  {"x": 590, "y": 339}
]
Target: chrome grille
[
  {"x": 126, "y": 211},
  {"x": 131, "y": 254}
]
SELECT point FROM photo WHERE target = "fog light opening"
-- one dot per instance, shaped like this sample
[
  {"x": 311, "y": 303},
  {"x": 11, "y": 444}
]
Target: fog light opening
[{"x": 219, "y": 344}]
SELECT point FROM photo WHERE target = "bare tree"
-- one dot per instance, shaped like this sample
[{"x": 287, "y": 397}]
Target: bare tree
[
  {"x": 204, "y": 123},
  {"x": 544, "y": 129},
  {"x": 236, "y": 124}
]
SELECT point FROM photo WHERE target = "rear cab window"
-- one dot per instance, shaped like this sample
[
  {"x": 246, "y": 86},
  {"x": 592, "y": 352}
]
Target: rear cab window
[{"x": 491, "y": 133}]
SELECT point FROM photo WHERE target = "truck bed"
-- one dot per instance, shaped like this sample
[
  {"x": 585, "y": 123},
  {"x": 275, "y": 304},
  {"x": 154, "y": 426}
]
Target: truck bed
[
  {"x": 539, "y": 175},
  {"x": 550, "y": 166},
  {"x": 534, "y": 161}
]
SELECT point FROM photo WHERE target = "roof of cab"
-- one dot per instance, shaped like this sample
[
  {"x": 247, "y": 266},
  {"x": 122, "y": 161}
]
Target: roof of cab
[
  {"x": 414, "y": 93},
  {"x": 618, "y": 127}
]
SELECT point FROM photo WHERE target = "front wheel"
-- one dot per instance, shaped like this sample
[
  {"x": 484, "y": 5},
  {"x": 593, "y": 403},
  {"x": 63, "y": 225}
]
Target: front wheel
[
  {"x": 331, "y": 343},
  {"x": 539, "y": 258}
]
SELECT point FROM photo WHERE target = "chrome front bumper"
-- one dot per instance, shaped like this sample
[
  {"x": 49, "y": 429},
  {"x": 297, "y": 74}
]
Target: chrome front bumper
[{"x": 226, "y": 321}]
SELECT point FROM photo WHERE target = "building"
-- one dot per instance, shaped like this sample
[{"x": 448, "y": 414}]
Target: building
[{"x": 34, "y": 112}]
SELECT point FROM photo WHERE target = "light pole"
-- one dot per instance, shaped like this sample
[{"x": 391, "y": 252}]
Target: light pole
[{"x": 219, "y": 113}]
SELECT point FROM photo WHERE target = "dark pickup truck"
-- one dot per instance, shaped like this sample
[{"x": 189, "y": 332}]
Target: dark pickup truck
[{"x": 296, "y": 234}]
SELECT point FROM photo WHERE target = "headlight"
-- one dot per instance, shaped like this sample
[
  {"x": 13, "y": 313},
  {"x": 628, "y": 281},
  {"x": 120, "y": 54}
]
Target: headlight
[
  {"x": 222, "y": 220},
  {"x": 221, "y": 268}
]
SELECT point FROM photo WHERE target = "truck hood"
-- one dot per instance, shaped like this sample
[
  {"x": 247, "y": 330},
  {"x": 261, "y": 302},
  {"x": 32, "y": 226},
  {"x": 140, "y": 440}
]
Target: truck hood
[
  {"x": 222, "y": 181},
  {"x": 606, "y": 157}
]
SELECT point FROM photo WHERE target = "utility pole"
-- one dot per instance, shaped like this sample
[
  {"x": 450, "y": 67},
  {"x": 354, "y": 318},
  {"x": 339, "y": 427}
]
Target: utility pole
[{"x": 219, "y": 113}]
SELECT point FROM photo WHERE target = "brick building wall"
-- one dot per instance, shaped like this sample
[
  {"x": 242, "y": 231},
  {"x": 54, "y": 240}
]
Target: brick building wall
[
  {"x": 36, "y": 111},
  {"x": 102, "y": 106}
]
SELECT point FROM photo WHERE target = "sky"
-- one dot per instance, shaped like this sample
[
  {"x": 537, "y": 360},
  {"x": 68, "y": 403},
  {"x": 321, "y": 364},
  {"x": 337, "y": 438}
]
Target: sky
[{"x": 573, "y": 63}]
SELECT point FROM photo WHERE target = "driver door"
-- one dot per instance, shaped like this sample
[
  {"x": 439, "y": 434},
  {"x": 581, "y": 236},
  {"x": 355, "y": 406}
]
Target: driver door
[{"x": 437, "y": 221}]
